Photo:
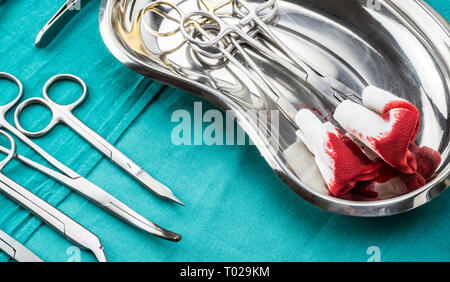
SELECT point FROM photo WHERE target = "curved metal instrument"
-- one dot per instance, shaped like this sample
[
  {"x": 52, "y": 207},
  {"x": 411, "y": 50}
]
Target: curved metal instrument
[
  {"x": 16, "y": 250},
  {"x": 46, "y": 212},
  {"x": 76, "y": 182},
  {"x": 51, "y": 29}
]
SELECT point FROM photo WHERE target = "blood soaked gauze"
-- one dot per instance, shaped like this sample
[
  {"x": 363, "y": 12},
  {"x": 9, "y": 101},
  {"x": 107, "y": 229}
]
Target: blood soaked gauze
[
  {"x": 340, "y": 161},
  {"x": 386, "y": 124}
]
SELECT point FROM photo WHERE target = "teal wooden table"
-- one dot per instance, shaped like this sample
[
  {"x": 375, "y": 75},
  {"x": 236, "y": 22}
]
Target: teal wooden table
[{"x": 236, "y": 207}]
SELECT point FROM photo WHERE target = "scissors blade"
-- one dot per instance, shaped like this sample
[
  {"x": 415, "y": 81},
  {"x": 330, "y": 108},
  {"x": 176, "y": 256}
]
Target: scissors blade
[
  {"x": 156, "y": 186},
  {"x": 16, "y": 250},
  {"x": 53, "y": 217},
  {"x": 101, "y": 198},
  {"x": 121, "y": 210},
  {"x": 119, "y": 158},
  {"x": 58, "y": 21}
]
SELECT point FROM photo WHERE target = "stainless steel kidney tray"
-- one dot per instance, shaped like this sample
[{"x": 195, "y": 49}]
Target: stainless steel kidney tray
[{"x": 397, "y": 45}]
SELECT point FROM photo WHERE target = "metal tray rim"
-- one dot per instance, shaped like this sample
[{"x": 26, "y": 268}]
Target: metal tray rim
[{"x": 386, "y": 207}]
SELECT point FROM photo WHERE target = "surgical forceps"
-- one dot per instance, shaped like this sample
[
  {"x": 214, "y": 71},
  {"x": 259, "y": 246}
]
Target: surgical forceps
[
  {"x": 249, "y": 15},
  {"x": 63, "y": 114},
  {"x": 228, "y": 31},
  {"x": 327, "y": 87},
  {"x": 255, "y": 15},
  {"x": 49, "y": 214},
  {"x": 16, "y": 250},
  {"x": 245, "y": 12},
  {"x": 213, "y": 6},
  {"x": 76, "y": 182}
]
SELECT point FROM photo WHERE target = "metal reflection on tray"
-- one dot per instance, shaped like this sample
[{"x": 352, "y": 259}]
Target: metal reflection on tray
[{"x": 346, "y": 41}]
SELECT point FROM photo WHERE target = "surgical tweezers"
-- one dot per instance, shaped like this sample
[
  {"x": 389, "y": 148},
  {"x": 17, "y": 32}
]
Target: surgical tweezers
[
  {"x": 76, "y": 182},
  {"x": 16, "y": 250},
  {"x": 48, "y": 213}
]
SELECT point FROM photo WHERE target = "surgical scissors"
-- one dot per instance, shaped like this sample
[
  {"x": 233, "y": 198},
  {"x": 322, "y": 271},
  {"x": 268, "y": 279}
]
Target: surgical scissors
[
  {"x": 49, "y": 214},
  {"x": 16, "y": 250},
  {"x": 63, "y": 114},
  {"x": 76, "y": 182},
  {"x": 102, "y": 199}
]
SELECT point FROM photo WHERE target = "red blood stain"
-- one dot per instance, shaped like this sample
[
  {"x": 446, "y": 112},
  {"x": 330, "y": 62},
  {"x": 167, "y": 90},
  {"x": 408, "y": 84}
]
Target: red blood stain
[
  {"x": 355, "y": 175},
  {"x": 393, "y": 146},
  {"x": 366, "y": 189},
  {"x": 428, "y": 160},
  {"x": 350, "y": 165},
  {"x": 413, "y": 181},
  {"x": 387, "y": 173}
]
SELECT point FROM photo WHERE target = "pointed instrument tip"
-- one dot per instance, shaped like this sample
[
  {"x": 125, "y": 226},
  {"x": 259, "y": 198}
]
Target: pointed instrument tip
[
  {"x": 156, "y": 186},
  {"x": 177, "y": 238},
  {"x": 174, "y": 237},
  {"x": 169, "y": 195},
  {"x": 37, "y": 41},
  {"x": 176, "y": 200},
  {"x": 40, "y": 42},
  {"x": 163, "y": 233}
]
